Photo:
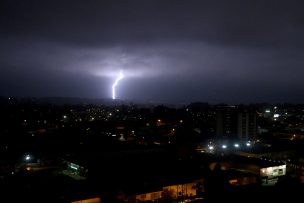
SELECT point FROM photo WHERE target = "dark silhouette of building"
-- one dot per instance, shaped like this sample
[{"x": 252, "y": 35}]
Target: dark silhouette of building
[
  {"x": 237, "y": 123},
  {"x": 246, "y": 125},
  {"x": 226, "y": 122}
]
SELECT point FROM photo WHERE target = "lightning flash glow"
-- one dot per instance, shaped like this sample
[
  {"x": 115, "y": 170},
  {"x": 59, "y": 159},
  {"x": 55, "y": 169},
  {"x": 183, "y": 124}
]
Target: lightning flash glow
[{"x": 121, "y": 76}]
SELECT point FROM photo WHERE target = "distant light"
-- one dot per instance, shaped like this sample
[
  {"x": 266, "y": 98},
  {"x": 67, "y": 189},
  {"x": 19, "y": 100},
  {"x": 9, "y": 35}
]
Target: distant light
[
  {"x": 74, "y": 167},
  {"x": 276, "y": 115},
  {"x": 275, "y": 107},
  {"x": 158, "y": 120},
  {"x": 267, "y": 111},
  {"x": 122, "y": 138},
  {"x": 248, "y": 144},
  {"x": 27, "y": 157},
  {"x": 224, "y": 146},
  {"x": 236, "y": 145},
  {"x": 211, "y": 147},
  {"x": 64, "y": 116}
]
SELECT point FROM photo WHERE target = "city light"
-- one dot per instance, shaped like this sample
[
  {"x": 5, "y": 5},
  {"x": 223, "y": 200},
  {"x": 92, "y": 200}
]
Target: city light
[
  {"x": 236, "y": 145},
  {"x": 224, "y": 146},
  {"x": 27, "y": 157},
  {"x": 74, "y": 167},
  {"x": 121, "y": 76}
]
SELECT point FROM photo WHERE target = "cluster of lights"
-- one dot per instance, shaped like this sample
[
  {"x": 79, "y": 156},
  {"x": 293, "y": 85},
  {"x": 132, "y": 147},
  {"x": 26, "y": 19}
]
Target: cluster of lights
[{"x": 211, "y": 147}]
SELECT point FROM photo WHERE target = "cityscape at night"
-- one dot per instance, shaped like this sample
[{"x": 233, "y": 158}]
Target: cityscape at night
[
  {"x": 140, "y": 101},
  {"x": 109, "y": 151}
]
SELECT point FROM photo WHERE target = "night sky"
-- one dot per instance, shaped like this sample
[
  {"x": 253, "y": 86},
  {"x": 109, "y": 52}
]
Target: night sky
[{"x": 169, "y": 51}]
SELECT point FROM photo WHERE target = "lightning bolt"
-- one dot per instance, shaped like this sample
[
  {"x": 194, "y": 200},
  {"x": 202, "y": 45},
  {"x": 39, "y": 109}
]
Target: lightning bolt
[{"x": 121, "y": 76}]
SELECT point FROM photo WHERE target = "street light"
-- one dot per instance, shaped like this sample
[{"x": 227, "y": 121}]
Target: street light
[{"x": 28, "y": 157}]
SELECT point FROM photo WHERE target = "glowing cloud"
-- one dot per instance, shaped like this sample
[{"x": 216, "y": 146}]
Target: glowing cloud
[{"x": 121, "y": 76}]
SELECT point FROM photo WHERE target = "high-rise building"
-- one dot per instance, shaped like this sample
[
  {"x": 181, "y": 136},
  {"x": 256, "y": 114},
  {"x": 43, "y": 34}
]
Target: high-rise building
[
  {"x": 236, "y": 123},
  {"x": 226, "y": 122},
  {"x": 246, "y": 125}
]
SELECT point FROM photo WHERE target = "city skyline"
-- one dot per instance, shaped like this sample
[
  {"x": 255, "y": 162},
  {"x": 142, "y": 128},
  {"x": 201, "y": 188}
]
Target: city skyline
[{"x": 171, "y": 52}]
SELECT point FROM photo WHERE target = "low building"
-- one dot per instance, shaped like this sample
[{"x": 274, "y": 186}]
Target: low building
[
  {"x": 266, "y": 172},
  {"x": 75, "y": 170},
  {"x": 90, "y": 200},
  {"x": 186, "y": 190}
]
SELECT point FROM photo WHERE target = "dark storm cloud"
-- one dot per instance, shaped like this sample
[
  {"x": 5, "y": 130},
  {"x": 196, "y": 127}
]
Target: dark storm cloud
[
  {"x": 101, "y": 22},
  {"x": 234, "y": 51}
]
